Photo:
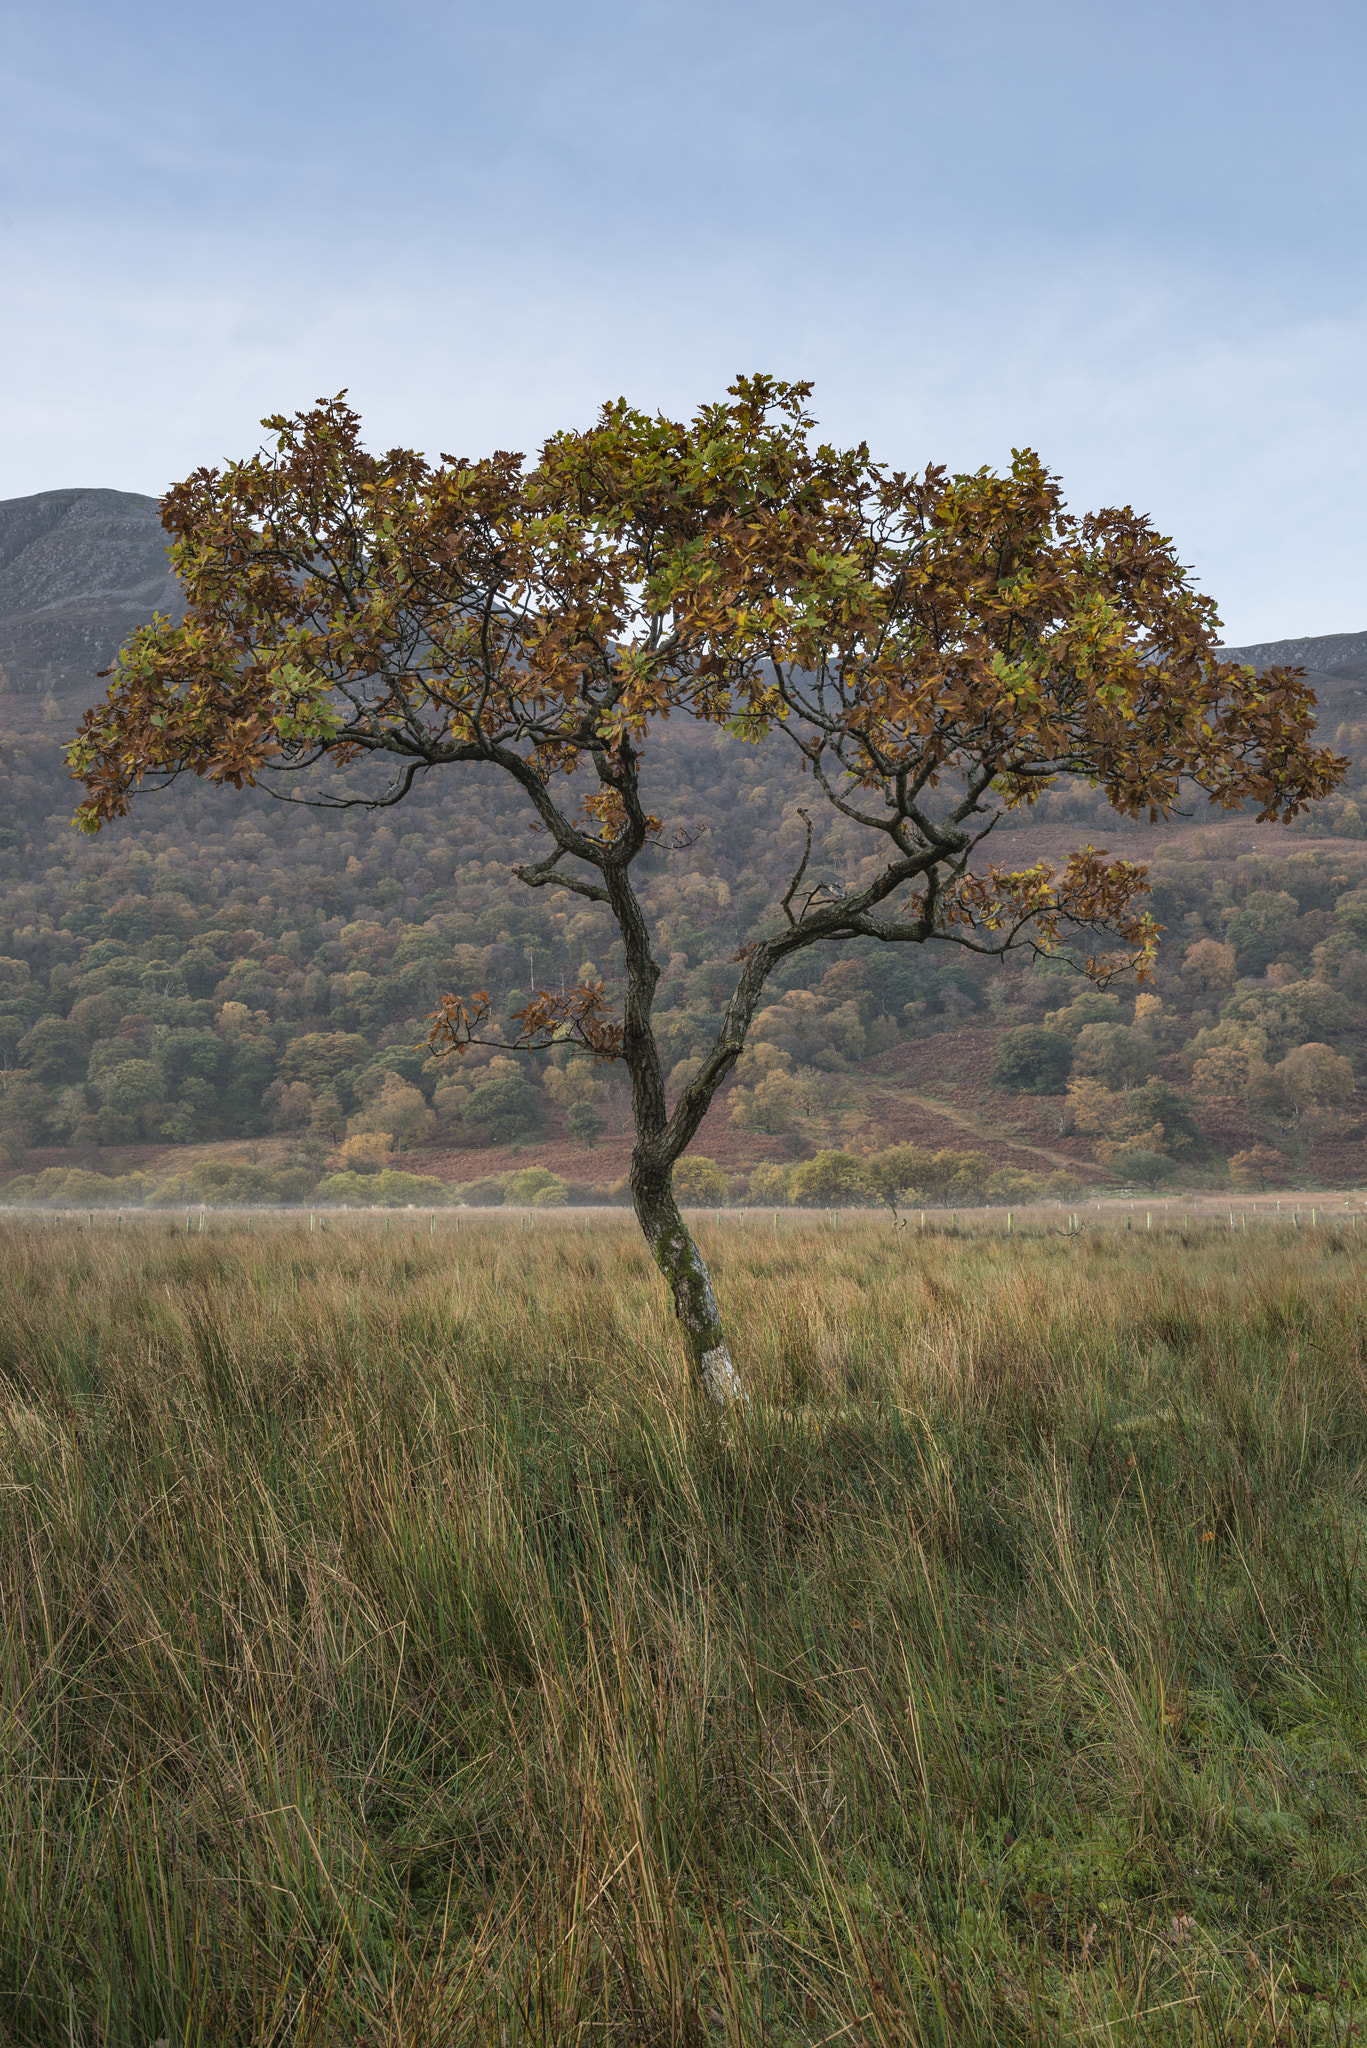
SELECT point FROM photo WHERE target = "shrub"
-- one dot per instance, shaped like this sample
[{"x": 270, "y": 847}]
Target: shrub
[
  {"x": 1114, "y": 1054},
  {"x": 54, "y": 1052},
  {"x": 700, "y": 1180},
  {"x": 479, "y": 1194},
  {"x": 222, "y": 1182},
  {"x": 130, "y": 1085},
  {"x": 365, "y": 1152},
  {"x": 1141, "y": 1167},
  {"x": 1012, "y": 1184},
  {"x": 1089, "y": 1006},
  {"x": 1033, "y": 1061},
  {"x": 1316, "y": 1076},
  {"x": 584, "y": 1123},
  {"x": 1261, "y": 1166},
  {"x": 507, "y": 1108},
  {"x": 532, "y": 1184},
  {"x": 830, "y": 1180},
  {"x": 769, "y": 1184},
  {"x": 1259, "y": 930},
  {"x": 386, "y": 1190},
  {"x": 75, "y": 1187},
  {"x": 1224, "y": 1070},
  {"x": 397, "y": 1111}
]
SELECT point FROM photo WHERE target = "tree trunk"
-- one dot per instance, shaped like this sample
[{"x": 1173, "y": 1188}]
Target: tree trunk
[{"x": 695, "y": 1304}]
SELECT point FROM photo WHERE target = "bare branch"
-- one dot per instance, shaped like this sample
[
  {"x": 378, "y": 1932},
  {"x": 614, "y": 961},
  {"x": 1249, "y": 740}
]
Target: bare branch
[
  {"x": 541, "y": 874},
  {"x": 801, "y": 868}
]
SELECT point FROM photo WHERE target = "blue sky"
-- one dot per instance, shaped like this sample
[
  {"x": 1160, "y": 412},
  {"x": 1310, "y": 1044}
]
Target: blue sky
[{"x": 1131, "y": 237}]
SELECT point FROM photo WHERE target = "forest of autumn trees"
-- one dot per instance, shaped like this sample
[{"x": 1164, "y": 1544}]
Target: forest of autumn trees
[
  {"x": 334, "y": 937},
  {"x": 219, "y": 967}
]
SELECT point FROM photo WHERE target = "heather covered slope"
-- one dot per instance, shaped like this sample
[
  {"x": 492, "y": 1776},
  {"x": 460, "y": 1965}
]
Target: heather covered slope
[{"x": 222, "y": 967}]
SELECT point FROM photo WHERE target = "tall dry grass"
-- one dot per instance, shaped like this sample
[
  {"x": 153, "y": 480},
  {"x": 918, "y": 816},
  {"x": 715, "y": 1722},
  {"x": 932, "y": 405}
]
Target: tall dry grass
[{"x": 393, "y": 1651}]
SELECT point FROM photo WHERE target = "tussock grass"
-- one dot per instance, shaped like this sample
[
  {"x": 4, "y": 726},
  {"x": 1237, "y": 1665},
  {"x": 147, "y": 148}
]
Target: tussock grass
[{"x": 394, "y": 1651}]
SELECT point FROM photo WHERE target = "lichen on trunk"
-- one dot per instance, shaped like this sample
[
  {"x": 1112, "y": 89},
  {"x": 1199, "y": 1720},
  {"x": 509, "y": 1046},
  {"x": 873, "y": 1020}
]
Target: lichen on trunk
[{"x": 690, "y": 1284}]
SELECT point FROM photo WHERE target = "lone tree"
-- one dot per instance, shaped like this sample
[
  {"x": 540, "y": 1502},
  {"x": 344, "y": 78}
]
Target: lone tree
[{"x": 938, "y": 648}]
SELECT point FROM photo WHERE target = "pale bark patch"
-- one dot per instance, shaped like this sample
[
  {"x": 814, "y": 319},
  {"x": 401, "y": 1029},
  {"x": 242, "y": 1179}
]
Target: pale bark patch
[{"x": 721, "y": 1381}]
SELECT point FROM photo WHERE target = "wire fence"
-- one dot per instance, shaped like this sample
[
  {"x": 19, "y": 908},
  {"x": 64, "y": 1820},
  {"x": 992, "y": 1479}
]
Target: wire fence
[{"x": 1334, "y": 1211}]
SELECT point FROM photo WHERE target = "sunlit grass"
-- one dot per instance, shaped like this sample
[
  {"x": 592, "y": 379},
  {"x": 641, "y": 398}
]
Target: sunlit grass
[{"x": 394, "y": 1651}]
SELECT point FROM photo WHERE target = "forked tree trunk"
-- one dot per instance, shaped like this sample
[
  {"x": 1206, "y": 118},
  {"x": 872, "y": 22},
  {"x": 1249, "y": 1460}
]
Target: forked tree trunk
[{"x": 695, "y": 1303}]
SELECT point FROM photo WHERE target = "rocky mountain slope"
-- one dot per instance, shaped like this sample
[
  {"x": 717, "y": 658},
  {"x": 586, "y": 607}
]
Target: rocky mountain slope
[
  {"x": 1335, "y": 665},
  {"x": 79, "y": 570}
]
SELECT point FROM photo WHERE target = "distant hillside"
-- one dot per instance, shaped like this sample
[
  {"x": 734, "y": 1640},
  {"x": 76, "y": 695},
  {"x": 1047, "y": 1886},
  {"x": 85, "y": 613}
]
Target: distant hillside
[
  {"x": 1326, "y": 654},
  {"x": 79, "y": 570},
  {"x": 224, "y": 970},
  {"x": 221, "y": 969},
  {"x": 1335, "y": 666}
]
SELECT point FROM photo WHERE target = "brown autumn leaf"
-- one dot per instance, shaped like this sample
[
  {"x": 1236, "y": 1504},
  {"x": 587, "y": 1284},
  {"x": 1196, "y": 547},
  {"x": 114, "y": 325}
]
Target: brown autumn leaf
[{"x": 939, "y": 648}]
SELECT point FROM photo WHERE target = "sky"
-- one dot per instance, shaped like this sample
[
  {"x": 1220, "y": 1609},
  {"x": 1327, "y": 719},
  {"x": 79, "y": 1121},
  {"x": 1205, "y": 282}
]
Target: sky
[{"x": 1129, "y": 237}]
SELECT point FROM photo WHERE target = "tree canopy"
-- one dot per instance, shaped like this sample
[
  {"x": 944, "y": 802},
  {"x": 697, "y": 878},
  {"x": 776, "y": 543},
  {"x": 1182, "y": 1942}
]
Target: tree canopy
[{"x": 939, "y": 648}]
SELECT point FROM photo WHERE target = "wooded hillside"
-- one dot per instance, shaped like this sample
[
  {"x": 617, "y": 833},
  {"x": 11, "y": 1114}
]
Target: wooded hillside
[
  {"x": 226, "y": 967},
  {"x": 224, "y": 972}
]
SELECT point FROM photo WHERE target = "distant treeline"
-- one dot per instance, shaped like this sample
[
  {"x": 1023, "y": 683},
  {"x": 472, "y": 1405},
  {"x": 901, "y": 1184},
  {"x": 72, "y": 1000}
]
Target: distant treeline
[{"x": 222, "y": 965}]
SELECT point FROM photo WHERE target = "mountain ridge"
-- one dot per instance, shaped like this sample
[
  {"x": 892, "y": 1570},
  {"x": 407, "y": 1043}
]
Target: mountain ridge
[
  {"x": 83, "y": 567},
  {"x": 80, "y": 569},
  {"x": 1324, "y": 653}
]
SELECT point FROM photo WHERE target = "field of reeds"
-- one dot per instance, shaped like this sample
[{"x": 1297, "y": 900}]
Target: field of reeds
[{"x": 393, "y": 1651}]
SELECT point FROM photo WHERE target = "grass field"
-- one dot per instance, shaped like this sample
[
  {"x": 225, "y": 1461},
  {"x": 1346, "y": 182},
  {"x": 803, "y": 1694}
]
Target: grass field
[{"x": 393, "y": 1651}]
